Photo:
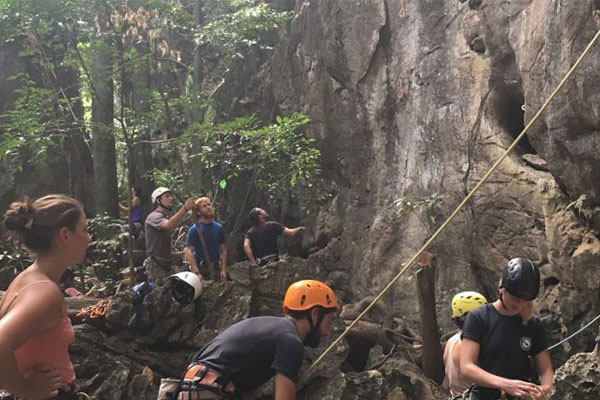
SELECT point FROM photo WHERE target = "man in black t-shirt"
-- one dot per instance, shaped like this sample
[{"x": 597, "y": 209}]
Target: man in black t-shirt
[
  {"x": 260, "y": 243},
  {"x": 498, "y": 340},
  {"x": 239, "y": 361}
]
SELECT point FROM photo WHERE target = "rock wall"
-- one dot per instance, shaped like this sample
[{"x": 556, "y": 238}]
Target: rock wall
[{"x": 412, "y": 98}]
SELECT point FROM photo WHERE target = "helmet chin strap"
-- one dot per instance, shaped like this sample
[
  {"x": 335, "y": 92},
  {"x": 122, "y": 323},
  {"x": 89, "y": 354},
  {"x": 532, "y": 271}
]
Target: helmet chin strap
[
  {"x": 313, "y": 337},
  {"x": 500, "y": 294},
  {"x": 163, "y": 206},
  {"x": 502, "y": 301}
]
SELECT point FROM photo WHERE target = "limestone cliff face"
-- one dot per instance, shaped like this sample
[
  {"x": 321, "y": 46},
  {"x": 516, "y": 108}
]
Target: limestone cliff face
[{"x": 411, "y": 98}]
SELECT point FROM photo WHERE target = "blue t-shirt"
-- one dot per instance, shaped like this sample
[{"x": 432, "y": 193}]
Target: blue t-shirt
[{"x": 214, "y": 236}]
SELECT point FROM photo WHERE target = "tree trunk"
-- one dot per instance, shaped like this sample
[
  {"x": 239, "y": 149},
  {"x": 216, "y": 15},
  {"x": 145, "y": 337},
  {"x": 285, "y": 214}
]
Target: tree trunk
[
  {"x": 142, "y": 162},
  {"x": 197, "y": 168},
  {"x": 103, "y": 140},
  {"x": 433, "y": 364}
]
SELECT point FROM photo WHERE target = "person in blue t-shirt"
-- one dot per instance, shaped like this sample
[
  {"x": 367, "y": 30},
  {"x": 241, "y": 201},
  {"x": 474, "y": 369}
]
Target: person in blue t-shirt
[{"x": 214, "y": 238}]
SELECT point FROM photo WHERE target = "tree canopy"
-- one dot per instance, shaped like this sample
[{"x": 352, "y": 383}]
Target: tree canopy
[{"x": 132, "y": 83}]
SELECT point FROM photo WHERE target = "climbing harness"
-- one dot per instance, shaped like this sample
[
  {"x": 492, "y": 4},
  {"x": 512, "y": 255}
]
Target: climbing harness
[
  {"x": 263, "y": 261},
  {"x": 462, "y": 204},
  {"x": 64, "y": 395},
  {"x": 202, "y": 382},
  {"x": 468, "y": 394},
  {"x": 97, "y": 310}
]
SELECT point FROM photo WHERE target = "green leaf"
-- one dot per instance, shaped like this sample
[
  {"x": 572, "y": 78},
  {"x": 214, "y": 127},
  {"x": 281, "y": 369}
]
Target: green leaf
[{"x": 223, "y": 184}]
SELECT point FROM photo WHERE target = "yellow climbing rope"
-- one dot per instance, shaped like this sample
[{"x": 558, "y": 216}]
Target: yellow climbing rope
[
  {"x": 84, "y": 395},
  {"x": 462, "y": 204}
]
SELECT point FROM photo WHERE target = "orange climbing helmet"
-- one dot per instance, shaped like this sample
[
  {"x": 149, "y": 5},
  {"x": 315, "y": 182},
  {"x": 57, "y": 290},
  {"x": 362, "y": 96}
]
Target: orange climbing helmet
[{"x": 303, "y": 295}]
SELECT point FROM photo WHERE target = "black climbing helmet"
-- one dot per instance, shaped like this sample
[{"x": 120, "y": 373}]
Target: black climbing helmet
[{"x": 521, "y": 278}]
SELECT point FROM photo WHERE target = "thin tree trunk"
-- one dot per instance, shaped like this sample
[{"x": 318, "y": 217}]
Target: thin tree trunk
[
  {"x": 433, "y": 364},
  {"x": 141, "y": 155},
  {"x": 103, "y": 140},
  {"x": 197, "y": 168}
]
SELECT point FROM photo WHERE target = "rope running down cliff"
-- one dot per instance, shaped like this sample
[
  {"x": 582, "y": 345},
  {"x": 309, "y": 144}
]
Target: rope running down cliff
[{"x": 462, "y": 204}]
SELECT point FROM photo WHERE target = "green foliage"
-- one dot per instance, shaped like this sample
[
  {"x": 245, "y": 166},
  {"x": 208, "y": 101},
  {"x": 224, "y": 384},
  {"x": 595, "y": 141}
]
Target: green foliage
[
  {"x": 17, "y": 259},
  {"x": 577, "y": 204},
  {"x": 12, "y": 262},
  {"x": 168, "y": 178},
  {"x": 157, "y": 36},
  {"x": 32, "y": 123},
  {"x": 406, "y": 205},
  {"x": 229, "y": 34},
  {"x": 105, "y": 254},
  {"x": 274, "y": 158}
]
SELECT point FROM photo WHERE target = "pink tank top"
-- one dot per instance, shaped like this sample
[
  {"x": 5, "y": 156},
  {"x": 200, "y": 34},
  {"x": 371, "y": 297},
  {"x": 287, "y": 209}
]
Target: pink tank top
[
  {"x": 456, "y": 381},
  {"x": 50, "y": 347}
]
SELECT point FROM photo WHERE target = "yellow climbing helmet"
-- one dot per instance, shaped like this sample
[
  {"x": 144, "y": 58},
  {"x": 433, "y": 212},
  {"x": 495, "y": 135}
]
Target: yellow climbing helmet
[
  {"x": 303, "y": 295},
  {"x": 464, "y": 302}
]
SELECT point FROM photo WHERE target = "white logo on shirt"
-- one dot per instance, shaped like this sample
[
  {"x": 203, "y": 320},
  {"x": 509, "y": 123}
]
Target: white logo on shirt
[{"x": 525, "y": 343}]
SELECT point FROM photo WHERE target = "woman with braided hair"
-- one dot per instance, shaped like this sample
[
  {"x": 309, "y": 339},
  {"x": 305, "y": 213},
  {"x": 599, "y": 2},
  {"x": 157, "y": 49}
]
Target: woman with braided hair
[{"x": 34, "y": 326}]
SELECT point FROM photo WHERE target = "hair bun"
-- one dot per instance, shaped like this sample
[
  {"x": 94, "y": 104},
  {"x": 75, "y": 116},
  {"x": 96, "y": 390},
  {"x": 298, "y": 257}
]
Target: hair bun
[{"x": 20, "y": 215}]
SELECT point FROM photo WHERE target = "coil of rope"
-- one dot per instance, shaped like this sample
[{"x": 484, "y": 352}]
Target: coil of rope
[{"x": 97, "y": 310}]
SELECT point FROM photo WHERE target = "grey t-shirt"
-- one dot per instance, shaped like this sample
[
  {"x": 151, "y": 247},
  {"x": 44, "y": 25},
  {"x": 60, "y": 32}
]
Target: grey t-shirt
[
  {"x": 251, "y": 351},
  {"x": 158, "y": 240}
]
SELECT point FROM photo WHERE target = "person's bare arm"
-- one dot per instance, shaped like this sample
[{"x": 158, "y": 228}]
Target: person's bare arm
[
  {"x": 32, "y": 313},
  {"x": 189, "y": 256},
  {"x": 290, "y": 232},
  {"x": 446, "y": 351},
  {"x": 285, "y": 388},
  {"x": 456, "y": 352},
  {"x": 223, "y": 261},
  {"x": 546, "y": 373},
  {"x": 248, "y": 250},
  {"x": 173, "y": 222}
]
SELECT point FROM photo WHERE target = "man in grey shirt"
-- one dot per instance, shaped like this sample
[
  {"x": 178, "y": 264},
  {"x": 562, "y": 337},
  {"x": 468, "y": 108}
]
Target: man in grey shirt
[{"x": 158, "y": 229}]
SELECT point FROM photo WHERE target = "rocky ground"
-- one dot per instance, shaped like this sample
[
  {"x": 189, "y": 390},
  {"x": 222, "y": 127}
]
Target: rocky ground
[{"x": 124, "y": 354}]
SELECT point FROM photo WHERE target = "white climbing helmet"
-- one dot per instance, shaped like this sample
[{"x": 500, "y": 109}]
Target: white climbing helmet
[
  {"x": 159, "y": 192},
  {"x": 185, "y": 287}
]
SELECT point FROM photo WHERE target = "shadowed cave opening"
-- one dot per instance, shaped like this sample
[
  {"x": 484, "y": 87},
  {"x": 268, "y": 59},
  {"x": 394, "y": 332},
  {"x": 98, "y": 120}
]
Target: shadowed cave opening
[{"x": 508, "y": 102}]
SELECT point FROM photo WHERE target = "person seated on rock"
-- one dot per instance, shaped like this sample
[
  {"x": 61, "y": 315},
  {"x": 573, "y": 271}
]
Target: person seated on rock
[
  {"x": 462, "y": 303},
  {"x": 240, "y": 360},
  {"x": 260, "y": 242},
  {"x": 499, "y": 338},
  {"x": 35, "y": 330}
]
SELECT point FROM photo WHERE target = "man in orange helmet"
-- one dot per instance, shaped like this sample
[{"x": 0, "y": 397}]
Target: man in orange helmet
[{"x": 237, "y": 363}]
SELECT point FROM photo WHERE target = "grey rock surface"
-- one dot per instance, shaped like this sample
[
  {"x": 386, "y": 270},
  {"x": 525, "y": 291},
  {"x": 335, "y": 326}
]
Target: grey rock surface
[{"x": 414, "y": 99}]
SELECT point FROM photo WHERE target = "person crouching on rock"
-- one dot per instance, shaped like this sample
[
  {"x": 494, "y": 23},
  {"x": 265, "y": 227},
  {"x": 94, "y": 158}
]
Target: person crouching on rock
[
  {"x": 35, "y": 331},
  {"x": 240, "y": 360}
]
